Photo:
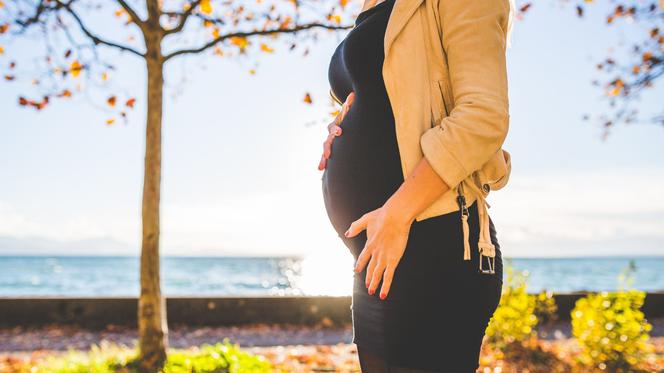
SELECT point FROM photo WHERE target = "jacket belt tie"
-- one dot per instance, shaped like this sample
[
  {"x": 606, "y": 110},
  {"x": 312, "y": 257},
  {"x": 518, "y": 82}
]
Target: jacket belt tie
[{"x": 485, "y": 247}]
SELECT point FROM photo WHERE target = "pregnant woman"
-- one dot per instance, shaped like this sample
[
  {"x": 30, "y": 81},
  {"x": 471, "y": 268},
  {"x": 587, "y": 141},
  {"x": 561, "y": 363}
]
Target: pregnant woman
[{"x": 419, "y": 302}]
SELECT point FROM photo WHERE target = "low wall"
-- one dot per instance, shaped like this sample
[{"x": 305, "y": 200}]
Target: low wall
[{"x": 95, "y": 312}]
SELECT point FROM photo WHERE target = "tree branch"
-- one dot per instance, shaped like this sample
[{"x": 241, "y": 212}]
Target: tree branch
[
  {"x": 183, "y": 18},
  {"x": 134, "y": 16},
  {"x": 221, "y": 38},
  {"x": 96, "y": 39}
]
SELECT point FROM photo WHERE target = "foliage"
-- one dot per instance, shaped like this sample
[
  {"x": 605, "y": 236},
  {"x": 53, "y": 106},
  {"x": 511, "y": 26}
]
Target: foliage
[
  {"x": 611, "y": 329},
  {"x": 546, "y": 309},
  {"x": 108, "y": 358},
  {"x": 514, "y": 320}
]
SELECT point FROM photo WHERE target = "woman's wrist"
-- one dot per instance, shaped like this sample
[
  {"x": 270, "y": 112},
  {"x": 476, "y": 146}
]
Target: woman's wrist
[
  {"x": 399, "y": 210},
  {"x": 421, "y": 188}
]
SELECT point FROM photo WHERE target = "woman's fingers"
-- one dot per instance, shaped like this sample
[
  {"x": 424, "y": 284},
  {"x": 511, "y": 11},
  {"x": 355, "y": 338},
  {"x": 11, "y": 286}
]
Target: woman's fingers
[
  {"x": 334, "y": 129},
  {"x": 387, "y": 281},
  {"x": 322, "y": 163},
  {"x": 376, "y": 273},
  {"x": 357, "y": 226}
]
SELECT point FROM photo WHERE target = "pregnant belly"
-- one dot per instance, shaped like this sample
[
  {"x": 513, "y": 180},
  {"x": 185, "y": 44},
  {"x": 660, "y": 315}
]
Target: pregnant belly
[{"x": 364, "y": 168}]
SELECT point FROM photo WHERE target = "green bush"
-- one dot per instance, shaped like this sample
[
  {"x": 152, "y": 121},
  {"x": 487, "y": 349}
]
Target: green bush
[
  {"x": 107, "y": 358},
  {"x": 611, "y": 329},
  {"x": 546, "y": 309},
  {"x": 514, "y": 320}
]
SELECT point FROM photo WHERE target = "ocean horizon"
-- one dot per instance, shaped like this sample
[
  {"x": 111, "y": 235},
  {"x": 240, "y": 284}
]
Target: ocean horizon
[{"x": 102, "y": 275}]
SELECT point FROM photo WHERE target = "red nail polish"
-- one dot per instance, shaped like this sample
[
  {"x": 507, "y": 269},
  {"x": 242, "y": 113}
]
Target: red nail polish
[
  {"x": 371, "y": 292},
  {"x": 383, "y": 296}
]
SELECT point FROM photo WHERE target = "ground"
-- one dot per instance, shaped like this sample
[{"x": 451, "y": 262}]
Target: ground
[{"x": 294, "y": 348}]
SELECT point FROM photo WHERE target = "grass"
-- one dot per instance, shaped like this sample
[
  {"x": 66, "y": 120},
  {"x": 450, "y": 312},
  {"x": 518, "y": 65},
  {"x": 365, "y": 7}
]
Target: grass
[{"x": 222, "y": 357}]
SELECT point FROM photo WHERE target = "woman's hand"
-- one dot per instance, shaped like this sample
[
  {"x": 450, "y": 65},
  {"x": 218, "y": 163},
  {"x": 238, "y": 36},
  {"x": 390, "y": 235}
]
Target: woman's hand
[
  {"x": 334, "y": 130},
  {"x": 387, "y": 236}
]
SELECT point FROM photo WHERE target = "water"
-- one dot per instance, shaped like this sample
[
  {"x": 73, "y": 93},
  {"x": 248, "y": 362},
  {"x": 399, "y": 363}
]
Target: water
[{"x": 219, "y": 276}]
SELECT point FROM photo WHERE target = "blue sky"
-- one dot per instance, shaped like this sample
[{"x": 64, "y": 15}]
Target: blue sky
[{"x": 241, "y": 150}]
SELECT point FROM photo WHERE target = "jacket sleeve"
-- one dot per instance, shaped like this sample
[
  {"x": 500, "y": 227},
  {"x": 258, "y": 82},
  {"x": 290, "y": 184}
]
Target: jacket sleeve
[{"x": 474, "y": 36}]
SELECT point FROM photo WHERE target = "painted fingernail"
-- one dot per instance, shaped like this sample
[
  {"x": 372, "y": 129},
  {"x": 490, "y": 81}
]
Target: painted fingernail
[
  {"x": 337, "y": 131},
  {"x": 383, "y": 296},
  {"x": 371, "y": 291}
]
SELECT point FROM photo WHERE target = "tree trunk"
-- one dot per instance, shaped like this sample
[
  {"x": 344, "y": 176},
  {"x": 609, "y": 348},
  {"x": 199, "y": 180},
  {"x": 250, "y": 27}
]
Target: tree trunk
[{"x": 152, "y": 326}]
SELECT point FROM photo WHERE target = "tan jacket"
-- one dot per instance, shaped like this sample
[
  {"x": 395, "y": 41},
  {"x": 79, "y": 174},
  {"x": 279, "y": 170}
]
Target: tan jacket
[{"x": 450, "y": 104}]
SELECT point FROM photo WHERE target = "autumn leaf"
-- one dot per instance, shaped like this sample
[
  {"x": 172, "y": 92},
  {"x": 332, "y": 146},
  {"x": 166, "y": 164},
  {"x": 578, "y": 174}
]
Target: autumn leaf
[
  {"x": 130, "y": 103},
  {"x": 2, "y": 50},
  {"x": 252, "y": 71},
  {"x": 4, "y": 28},
  {"x": 206, "y": 7},
  {"x": 75, "y": 68},
  {"x": 215, "y": 33},
  {"x": 335, "y": 18},
  {"x": 110, "y": 121},
  {"x": 9, "y": 77},
  {"x": 285, "y": 23},
  {"x": 104, "y": 76},
  {"x": 240, "y": 41},
  {"x": 266, "y": 48},
  {"x": 524, "y": 8},
  {"x": 65, "y": 93},
  {"x": 111, "y": 101},
  {"x": 307, "y": 98}
]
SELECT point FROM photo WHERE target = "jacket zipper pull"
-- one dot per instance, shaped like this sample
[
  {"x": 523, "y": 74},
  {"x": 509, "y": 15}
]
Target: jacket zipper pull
[{"x": 461, "y": 200}]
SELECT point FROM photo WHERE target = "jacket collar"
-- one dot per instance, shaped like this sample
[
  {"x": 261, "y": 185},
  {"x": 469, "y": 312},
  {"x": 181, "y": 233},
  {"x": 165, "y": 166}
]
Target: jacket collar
[{"x": 401, "y": 13}]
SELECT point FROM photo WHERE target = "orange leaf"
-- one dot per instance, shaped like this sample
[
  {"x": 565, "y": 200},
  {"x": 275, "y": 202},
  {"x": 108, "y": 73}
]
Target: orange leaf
[
  {"x": 307, "y": 98},
  {"x": 4, "y": 28},
  {"x": 206, "y": 7},
  {"x": 130, "y": 103},
  {"x": 240, "y": 41},
  {"x": 104, "y": 76},
  {"x": 110, "y": 121},
  {"x": 335, "y": 18},
  {"x": 65, "y": 93},
  {"x": 266, "y": 48},
  {"x": 111, "y": 101},
  {"x": 215, "y": 32},
  {"x": 9, "y": 77},
  {"x": 2, "y": 50},
  {"x": 75, "y": 68}
]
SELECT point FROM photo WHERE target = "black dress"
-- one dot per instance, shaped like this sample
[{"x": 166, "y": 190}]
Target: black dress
[{"x": 438, "y": 307}]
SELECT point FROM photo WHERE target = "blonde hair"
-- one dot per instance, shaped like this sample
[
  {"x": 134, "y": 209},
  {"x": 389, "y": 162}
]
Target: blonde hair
[{"x": 510, "y": 23}]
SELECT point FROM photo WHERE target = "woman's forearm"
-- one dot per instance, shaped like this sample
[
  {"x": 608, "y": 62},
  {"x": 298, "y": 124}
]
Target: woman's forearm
[{"x": 420, "y": 189}]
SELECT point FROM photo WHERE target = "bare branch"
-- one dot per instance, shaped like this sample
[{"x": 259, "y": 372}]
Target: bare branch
[
  {"x": 183, "y": 18},
  {"x": 221, "y": 38},
  {"x": 41, "y": 9},
  {"x": 96, "y": 39},
  {"x": 134, "y": 16}
]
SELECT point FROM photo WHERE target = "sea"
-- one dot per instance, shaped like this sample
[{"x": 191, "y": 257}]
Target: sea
[{"x": 89, "y": 276}]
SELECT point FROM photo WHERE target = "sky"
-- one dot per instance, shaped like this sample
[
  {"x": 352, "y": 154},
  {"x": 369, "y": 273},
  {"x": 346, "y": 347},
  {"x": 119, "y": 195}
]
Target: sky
[{"x": 241, "y": 150}]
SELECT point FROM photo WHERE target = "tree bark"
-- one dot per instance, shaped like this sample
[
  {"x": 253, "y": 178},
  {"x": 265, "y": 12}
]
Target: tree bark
[{"x": 152, "y": 325}]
